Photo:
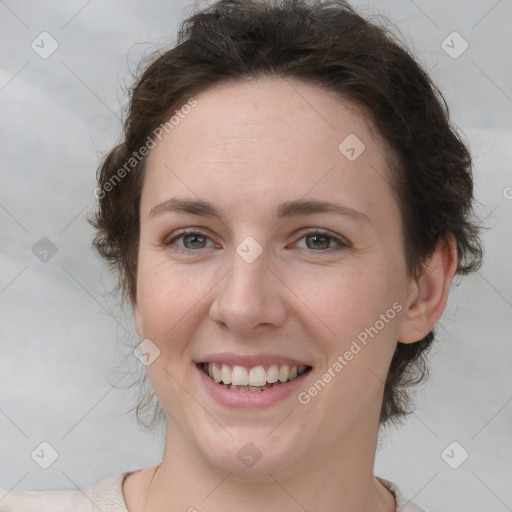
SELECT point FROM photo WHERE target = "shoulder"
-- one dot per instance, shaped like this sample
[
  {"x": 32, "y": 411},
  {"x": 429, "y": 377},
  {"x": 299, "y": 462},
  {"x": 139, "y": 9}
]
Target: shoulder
[
  {"x": 105, "y": 495},
  {"x": 402, "y": 504}
]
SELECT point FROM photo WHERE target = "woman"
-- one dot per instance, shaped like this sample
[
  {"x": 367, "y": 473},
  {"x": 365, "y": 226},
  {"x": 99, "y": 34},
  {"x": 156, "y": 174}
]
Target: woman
[{"x": 286, "y": 213}]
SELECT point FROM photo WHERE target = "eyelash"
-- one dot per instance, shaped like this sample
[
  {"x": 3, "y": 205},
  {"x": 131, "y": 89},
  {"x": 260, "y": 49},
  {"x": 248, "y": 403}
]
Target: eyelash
[{"x": 342, "y": 243}]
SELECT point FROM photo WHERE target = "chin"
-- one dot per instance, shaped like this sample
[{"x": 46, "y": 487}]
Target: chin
[
  {"x": 248, "y": 456},
  {"x": 249, "y": 452}
]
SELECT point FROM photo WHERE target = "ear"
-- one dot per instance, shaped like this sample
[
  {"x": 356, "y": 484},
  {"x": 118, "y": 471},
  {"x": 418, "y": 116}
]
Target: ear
[
  {"x": 429, "y": 292},
  {"x": 138, "y": 321}
]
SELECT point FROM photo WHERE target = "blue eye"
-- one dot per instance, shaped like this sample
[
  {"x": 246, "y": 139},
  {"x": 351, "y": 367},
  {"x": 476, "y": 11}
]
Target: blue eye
[{"x": 321, "y": 241}]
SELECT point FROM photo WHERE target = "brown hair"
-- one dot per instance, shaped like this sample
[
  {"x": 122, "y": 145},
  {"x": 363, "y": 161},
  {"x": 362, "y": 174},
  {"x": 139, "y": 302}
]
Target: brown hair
[{"x": 330, "y": 45}]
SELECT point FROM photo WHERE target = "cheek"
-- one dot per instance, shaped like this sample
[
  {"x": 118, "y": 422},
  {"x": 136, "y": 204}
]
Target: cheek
[
  {"x": 357, "y": 343},
  {"x": 168, "y": 299},
  {"x": 357, "y": 323},
  {"x": 345, "y": 300}
]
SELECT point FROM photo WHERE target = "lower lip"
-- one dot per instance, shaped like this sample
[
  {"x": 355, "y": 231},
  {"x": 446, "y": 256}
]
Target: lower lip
[{"x": 247, "y": 399}]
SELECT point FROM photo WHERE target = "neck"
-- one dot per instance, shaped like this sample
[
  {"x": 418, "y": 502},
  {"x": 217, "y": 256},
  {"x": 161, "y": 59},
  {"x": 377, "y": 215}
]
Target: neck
[{"x": 330, "y": 479}]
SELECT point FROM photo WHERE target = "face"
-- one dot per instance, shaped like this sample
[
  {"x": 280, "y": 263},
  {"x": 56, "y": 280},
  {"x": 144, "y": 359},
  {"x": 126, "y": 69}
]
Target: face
[{"x": 266, "y": 285}]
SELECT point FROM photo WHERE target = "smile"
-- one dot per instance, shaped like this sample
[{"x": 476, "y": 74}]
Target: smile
[{"x": 255, "y": 378}]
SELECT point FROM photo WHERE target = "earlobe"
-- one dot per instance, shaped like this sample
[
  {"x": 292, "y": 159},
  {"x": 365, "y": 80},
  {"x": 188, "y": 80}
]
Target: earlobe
[{"x": 429, "y": 294}]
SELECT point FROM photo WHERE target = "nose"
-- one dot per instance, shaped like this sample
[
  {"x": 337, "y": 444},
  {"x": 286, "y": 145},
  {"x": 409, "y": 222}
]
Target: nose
[{"x": 250, "y": 298}]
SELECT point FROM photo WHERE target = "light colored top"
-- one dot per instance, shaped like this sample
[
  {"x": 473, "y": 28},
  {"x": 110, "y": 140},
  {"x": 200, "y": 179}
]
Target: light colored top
[{"x": 107, "y": 496}]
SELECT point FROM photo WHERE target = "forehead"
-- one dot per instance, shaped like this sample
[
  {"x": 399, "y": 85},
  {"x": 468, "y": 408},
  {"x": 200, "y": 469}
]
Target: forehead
[
  {"x": 299, "y": 115},
  {"x": 271, "y": 138}
]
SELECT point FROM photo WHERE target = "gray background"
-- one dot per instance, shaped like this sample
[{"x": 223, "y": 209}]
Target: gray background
[{"x": 63, "y": 366}]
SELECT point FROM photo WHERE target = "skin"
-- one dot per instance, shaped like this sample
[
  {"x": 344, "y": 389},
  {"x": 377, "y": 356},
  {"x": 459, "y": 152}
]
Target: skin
[{"x": 247, "y": 147}]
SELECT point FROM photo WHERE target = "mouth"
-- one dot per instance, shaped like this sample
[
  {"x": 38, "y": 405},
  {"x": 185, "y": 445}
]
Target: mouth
[{"x": 257, "y": 378}]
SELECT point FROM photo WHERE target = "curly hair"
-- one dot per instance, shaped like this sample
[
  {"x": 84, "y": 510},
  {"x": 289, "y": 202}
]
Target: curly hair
[{"x": 326, "y": 43}]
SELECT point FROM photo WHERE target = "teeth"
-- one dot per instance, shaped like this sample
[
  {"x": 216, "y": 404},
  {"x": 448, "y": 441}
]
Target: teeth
[
  {"x": 252, "y": 379},
  {"x": 273, "y": 374},
  {"x": 239, "y": 377},
  {"x": 216, "y": 373},
  {"x": 225, "y": 374},
  {"x": 246, "y": 388},
  {"x": 284, "y": 372},
  {"x": 257, "y": 376}
]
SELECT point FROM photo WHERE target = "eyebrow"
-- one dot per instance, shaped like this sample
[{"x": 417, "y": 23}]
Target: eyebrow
[{"x": 284, "y": 210}]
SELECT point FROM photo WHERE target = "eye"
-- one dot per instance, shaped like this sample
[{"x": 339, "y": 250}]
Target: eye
[
  {"x": 191, "y": 240},
  {"x": 316, "y": 240},
  {"x": 319, "y": 240}
]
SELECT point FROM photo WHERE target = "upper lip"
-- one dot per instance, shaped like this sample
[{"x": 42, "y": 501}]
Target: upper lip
[{"x": 251, "y": 360}]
